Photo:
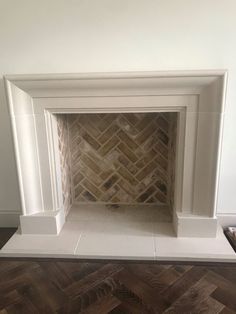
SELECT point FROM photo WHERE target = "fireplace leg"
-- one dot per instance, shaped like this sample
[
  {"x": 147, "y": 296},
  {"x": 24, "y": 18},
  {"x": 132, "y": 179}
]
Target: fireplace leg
[
  {"x": 48, "y": 222},
  {"x": 190, "y": 225}
]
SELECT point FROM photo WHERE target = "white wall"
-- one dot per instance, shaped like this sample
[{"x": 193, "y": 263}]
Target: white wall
[{"x": 61, "y": 36}]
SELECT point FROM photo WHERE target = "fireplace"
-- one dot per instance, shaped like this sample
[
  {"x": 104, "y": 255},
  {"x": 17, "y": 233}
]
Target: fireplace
[{"x": 144, "y": 140}]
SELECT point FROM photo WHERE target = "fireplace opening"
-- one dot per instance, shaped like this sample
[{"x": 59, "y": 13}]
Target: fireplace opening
[{"x": 118, "y": 162}]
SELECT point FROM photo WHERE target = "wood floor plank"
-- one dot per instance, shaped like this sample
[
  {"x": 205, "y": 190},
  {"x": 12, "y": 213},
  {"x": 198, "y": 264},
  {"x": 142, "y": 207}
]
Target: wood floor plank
[
  {"x": 226, "y": 290},
  {"x": 189, "y": 301},
  {"x": 56, "y": 274},
  {"x": 23, "y": 305},
  {"x": 148, "y": 276},
  {"x": 130, "y": 302},
  {"x": 18, "y": 270},
  {"x": 228, "y": 273},
  {"x": 93, "y": 279},
  {"x": 169, "y": 276},
  {"x": 7, "y": 286},
  {"x": 48, "y": 292},
  {"x": 9, "y": 298},
  {"x": 147, "y": 294},
  {"x": 184, "y": 282},
  {"x": 226, "y": 297},
  {"x": 90, "y": 296},
  {"x": 80, "y": 270},
  {"x": 104, "y": 305},
  {"x": 209, "y": 306},
  {"x": 226, "y": 310},
  {"x": 32, "y": 293}
]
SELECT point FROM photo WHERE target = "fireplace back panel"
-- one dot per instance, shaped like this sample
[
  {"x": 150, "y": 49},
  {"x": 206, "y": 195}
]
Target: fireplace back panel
[{"x": 123, "y": 158}]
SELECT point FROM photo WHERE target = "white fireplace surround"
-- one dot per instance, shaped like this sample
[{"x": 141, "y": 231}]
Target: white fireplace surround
[{"x": 198, "y": 97}]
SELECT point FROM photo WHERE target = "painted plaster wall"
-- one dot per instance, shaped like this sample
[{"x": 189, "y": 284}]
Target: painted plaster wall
[{"x": 61, "y": 36}]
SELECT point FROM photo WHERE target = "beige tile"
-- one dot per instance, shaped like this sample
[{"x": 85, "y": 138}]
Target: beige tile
[
  {"x": 123, "y": 241},
  {"x": 169, "y": 247},
  {"x": 64, "y": 243},
  {"x": 124, "y": 214}
]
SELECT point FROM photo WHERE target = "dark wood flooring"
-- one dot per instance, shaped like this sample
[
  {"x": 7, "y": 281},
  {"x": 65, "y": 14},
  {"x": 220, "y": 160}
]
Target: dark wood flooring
[{"x": 65, "y": 286}]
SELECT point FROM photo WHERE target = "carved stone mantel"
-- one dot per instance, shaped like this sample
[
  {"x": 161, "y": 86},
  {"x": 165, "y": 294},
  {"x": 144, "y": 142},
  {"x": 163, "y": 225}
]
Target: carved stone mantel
[{"x": 198, "y": 97}]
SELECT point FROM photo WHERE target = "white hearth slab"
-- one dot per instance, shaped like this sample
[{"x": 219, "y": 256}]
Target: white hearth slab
[
  {"x": 43, "y": 245},
  {"x": 121, "y": 240},
  {"x": 121, "y": 213},
  {"x": 101, "y": 237},
  {"x": 169, "y": 247}
]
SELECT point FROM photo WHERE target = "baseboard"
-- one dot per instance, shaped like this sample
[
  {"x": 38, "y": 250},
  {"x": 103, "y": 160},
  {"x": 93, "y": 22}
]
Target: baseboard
[
  {"x": 227, "y": 220},
  {"x": 9, "y": 219}
]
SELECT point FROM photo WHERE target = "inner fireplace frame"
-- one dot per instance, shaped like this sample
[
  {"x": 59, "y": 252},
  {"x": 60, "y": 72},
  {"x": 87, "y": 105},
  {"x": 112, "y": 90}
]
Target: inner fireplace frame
[
  {"x": 181, "y": 105},
  {"x": 198, "y": 97}
]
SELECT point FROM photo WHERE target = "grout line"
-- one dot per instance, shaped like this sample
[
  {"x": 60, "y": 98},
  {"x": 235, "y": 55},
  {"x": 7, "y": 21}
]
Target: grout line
[
  {"x": 77, "y": 244},
  {"x": 154, "y": 242}
]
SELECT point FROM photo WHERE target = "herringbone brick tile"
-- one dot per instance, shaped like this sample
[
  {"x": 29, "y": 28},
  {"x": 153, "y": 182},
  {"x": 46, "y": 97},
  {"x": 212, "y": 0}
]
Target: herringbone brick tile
[{"x": 118, "y": 158}]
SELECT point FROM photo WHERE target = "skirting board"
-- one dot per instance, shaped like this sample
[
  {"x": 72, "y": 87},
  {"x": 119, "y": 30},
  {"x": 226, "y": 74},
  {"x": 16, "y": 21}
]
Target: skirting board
[
  {"x": 9, "y": 219},
  {"x": 227, "y": 220}
]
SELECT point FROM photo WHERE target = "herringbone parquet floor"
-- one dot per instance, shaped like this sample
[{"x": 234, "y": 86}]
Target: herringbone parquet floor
[{"x": 57, "y": 286}]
